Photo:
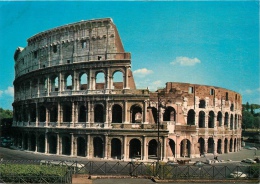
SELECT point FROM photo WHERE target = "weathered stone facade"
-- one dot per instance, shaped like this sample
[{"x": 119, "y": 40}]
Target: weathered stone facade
[{"x": 61, "y": 107}]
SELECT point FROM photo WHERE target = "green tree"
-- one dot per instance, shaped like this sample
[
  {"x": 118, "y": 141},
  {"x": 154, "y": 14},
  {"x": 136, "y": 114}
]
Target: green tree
[
  {"x": 5, "y": 113},
  {"x": 248, "y": 120}
]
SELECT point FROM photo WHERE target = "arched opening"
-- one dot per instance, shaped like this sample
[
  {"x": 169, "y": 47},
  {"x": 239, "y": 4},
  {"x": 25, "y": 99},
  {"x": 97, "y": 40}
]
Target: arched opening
[
  {"x": 100, "y": 80},
  {"x": 191, "y": 117},
  {"x": 231, "y": 145},
  {"x": 118, "y": 80},
  {"x": 211, "y": 119},
  {"x": 219, "y": 151},
  {"x": 152, "y": 149},
  {"x": 83, "y": 81},
  {"x": 67, "y": 113},
  {"x": 135, "y": 148},
  {"x": 53, "y": 114},
  {"x": 202, "y": 104},
  {"x": 117, "y": 114},
  {"x": 116, "y": 148},
  {"x": 33, "y": 143},
  {"x": 169, "y": 114},
  {"x": 82, "y": 117},
  {"x": 41, "y": 143},
  {"x": 211, "y": 145},
  {"x": 136, "y": 114},
  {"x": 155, "y": 114},
  {"x": 54, "y": 83},
  {"x": 172, "y": 148},
  {"x": 52, "y": 144},
  {"x": 236, "y": 116},
  {"x": 32, "y": 113},
  {"x": 185, "y": 148},
  {"x": 226, "y": 120},
  {"x": 68, "y": 82},
  {"x": 42, "y": 114},
  {"x": 219, "y": 119},
  {"x": 99, "y": 113},
  {"x": 226, "y": 146},
  {"x": 25, "y": 142},
  {"x": 81, "y": 147},
  {"x": 231, "y": 122},
  {"x": 98, "y": 147},
  {"x": 201, "y": 142},
  {"x": 235, "y": 144},
  {"x": 201, "y": 119},
  {"x": 66, "y": 145}
]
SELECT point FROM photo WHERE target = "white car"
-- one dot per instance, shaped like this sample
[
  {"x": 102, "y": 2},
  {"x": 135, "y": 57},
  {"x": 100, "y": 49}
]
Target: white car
[
  {"x": 249, "y": 161},
  {"x": 238, "y": 174}
]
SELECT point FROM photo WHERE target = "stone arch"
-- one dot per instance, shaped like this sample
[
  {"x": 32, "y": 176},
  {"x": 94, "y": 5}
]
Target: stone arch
[
  {"x": 99, "y": 113},
  {"x": 67, "y": 112},
  {"x": 53, "y": 113},
  {"x": 202, "y": 103},
  {"x": 52, "y": 140},
  {"x": 134, "y": 148},
  {"x": 191, "y": 117},
  {"x": 82, "y": 115},
  {"x": 155, "y": 114},
  {"x": 32, "y": 142},
  {"x": 117, "y": 114},
  {"x": 219, "y": 119},
  {"x": 83, "y": 81},
  {"x": 66, "y": 145},
  {"x": 172, "y": 146},
  {"x": 185, "y": 148},
  {"x": 231, "y": 145},
  {"x": 231, "y": 121},
  {"x": 100, "y": 80},
  {"x": 226, "y": 119},
  {"x": 25, "y": 141},
  {"x": 98, "y": 145},
  {"x": 41, "y": 143},
  {"x": 201, "y": 119},
  {"x": 42, "y": 113},
  {"x": 68, "y": 82},
  {"x": 210, "y": 145},
  {"x": 54, "y": 80},
  {"x": 219, "y": 151},
  {"x": 226, "y": 145},
  {"x": 136, "y": 114},
  {"x": 32, "y": 110},
  {"x": 211, "y": 119},
  {"x": 169, "y": 114},
  {"x": 201, "y": 142},
  {"x": 118, "y": 79},
  {"x": 152, "y": 149},
  {"x": 116, "y": 148},
  {"x": 81, "y": 147},
  {"x": 235, "y": 144}
]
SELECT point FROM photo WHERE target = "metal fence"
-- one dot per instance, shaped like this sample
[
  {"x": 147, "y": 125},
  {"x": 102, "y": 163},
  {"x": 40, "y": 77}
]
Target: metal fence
[{"x": 148, "y": 170}]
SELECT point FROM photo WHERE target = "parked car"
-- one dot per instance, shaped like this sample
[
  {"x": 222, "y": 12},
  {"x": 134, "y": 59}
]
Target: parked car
[
  {"x": 249, "y": 161},
  {"x": 172, "y": 163},
  {"x": 199, "y": 163},
  {"x": 238, "y": 174}
]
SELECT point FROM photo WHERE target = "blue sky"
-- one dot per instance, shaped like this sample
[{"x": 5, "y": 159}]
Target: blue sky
[{"x": 211, "y": 43}]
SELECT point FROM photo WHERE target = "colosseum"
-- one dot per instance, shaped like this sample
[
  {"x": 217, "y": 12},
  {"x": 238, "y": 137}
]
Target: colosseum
[{"x": 75, "y": 95}]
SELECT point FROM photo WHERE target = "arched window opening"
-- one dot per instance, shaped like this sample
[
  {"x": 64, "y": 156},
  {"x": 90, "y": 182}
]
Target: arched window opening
[
  {"x": 235, "y": 144},
  {"x": 191, "y": 117},
  {"x": 201, "y": 142},
  {"x": 53, "y": 114},
  {"x": 33, "y": 113},
  {"x": 81, "y": 147},
  {"x": 136, "y": 114},
  {"x": 52, "y": 144},
  {"x": 42, "y": 114},
  {"x": 236, "y": 116},
  {"x": 219, "y": 151},
  {"x": 33, "y": 143},
  {"x": 54, "y": 83},
  {"x": 82, "y": 117},
  {"x": 172, "y": 148},
  {"x": 83, "y": 82},
  {"x": 201, "y": 119},
  {"x": 100, "y": 81},
  {"x": 69, "y": 82},
  {"x": 231, "y": 145},
  {"x": 226, "y": 119},
  {"x": 41, "y": 143},
  {"x": 155, "y": 114},
  {"x": 152, "y": 149},
  {"x": 116, "y": 148},
  {"x": 66, "y": 145},
  {"x": 98, "y": 147},
  {"x": 185, "y": 148},
  {"x": 219, "y": 119},
  {"x": 135, "y": 148},
  {"x": 232, "y": 107},
  {"x": 211, "y": 118},
  {"x": 99, "y": 114},
  {"x": 25, "y": 141},
  {"x": 169, "y": 114},
  {"x": 117, "y": 114},
  {"x": 202, "y": 104},
  {"x": 67, "y": 113},
  {"x": 231, "y": 122},
  {"x": 210, "y": 145},
  {"x": 226, "y": 146},
  {"x": 118, "y": 80}
]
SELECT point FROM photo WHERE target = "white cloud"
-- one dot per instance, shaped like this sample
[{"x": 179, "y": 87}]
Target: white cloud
[
  {"x": 185, "y": 61},
  {"x": 9, "y": 91},
  {"x": 1, "y": 92},
  {"x": 142, "y": 72}
]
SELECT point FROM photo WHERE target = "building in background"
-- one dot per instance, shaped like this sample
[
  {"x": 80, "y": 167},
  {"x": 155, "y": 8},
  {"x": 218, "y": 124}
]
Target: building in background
[{"x": 75, "y": 95}]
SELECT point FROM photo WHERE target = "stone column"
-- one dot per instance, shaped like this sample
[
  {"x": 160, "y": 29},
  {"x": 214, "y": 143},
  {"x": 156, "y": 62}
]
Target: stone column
[
  {"x": 46, "y": 144},
  {"x": 37, "y": 115},
  {"x": 59, "y": 114},
  {"x": 125, "y": 112},
  {"x": 223, "y": 145},
  {"x": 73, "y": 114},
  {"x": 145, "y": 145},
  {"x": 126, "y": 78},
  {"x": 58, "y": 144},
  {"x": 164, "y": 148},
  {"x": 88, "y": 146},
  {"x": 105, "y": 147},
  {"x": 47, "y": 117},
  {"x": 61, "y": 82},
  {"x": 36, "y": 142},
  {"x": 72, "y": 145},
  {"x": 125, "y": 147},
  {"x": 145, "y": 112}
]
